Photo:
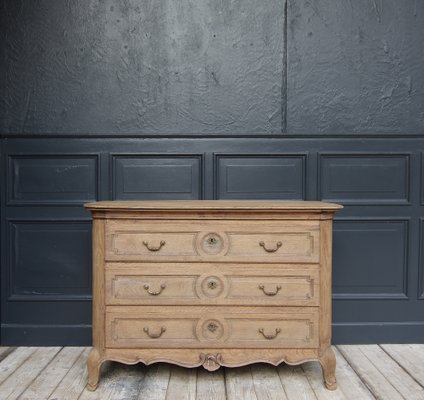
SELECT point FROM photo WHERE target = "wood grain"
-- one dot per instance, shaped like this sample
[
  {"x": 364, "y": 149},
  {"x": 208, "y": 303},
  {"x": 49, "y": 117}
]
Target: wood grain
[
  {"x": 22, "y": 377},
  {"x": 378, "y": 384},
  {"x": 47, "y": 381},
  {"x": 212, "y": 283}
]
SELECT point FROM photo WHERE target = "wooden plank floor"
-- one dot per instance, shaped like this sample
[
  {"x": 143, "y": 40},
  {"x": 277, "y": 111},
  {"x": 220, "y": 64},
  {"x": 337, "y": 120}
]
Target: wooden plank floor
[{"x": 386, "y": 372}]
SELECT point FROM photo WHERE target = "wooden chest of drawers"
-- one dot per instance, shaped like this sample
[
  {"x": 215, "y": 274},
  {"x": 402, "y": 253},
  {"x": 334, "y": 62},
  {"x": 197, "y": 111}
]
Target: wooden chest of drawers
[{"x": 212, "y": 283}]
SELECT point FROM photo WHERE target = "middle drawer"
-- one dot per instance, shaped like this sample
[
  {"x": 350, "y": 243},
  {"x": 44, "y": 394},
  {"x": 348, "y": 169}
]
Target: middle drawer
[{"x": 205, "y": 284}]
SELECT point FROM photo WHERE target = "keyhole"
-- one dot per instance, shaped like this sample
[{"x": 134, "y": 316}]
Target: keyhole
[
  {"x": 212, "y": 285},
  {"x": 212, "y": 326},
  {"x": 212, "y": 241}
]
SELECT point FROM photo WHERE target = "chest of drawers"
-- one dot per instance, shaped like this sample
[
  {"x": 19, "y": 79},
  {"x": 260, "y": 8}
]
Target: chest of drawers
[{"x": 212, "y": 283}]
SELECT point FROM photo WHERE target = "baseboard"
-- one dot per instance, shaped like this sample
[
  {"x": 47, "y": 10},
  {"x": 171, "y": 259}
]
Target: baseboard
[
  {"x": 378, "y": 332},
  {"x": 46, "y": 335}
]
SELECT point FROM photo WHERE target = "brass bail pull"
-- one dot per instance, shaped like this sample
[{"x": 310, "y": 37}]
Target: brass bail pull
[
  {"x": 153, "y": 248},
  {"x": 268, "y": 250},
  {"x": 277, "y": 289},
  {"x": 269, "y": 337},
  {"x": 153, "y": 292},
  {"x": 154, "y": 335}
]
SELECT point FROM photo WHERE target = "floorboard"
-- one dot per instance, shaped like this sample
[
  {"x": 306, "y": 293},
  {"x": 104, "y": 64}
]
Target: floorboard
[
  {"x": 365, "y": 372},
  {"x": 22, "y": 377},
  {"x": 295, "y": 383},
  {"x": 379, "y": 385}
]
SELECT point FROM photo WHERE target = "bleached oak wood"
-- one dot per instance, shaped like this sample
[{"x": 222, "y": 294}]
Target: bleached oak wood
[
  {"x": 267, "y": 383},
  {"x": 239, "y": 384},
  {"x": 14, "y": 360},
  {"x": 185, "y": 284},
  {"x": 314, "y": 374},
  {"x": 233, "y": 313},
  {"x": 348, "y": 382},
  {"x": 327, "y": 358},
  {"x": 232, "y": 327},
  {"x": 51, "y": 376},
  {"x": 397, "y": 376},
  {"x": 295, "y": 383},
  {"x": 409, "y": 356},
  {"x": 72, "y": 385},
  {"x": 96, "y": 358},
  {"x": 210, "y": 385},
  {"x": 155, "y": 383},
  {"x": 236, "y": 241},
  {"x": 182, "y": 384},
  {"x": 377, "y": 383},
  {"x": 22, "y": 377},
  {"x": 217, "y": 205}
]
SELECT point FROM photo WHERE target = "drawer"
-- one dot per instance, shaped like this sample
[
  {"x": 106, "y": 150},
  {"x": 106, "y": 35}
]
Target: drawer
[
  {"x": 202, "y": 284},
  {"x": 212, "y": 327},
  {"x": 203, "y": 241}
]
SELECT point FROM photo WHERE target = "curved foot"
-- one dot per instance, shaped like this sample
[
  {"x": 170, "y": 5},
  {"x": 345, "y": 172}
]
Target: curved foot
[
  {"x": 328, "y": 364},
  {"x": 94, "y": 362}
]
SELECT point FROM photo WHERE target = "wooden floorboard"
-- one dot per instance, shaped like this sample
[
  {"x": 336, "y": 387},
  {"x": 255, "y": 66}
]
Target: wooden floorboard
[{"x": 364, "y": 372}]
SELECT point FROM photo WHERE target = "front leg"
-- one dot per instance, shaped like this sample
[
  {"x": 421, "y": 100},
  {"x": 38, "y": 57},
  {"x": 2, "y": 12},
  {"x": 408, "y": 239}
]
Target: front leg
[
  {"x": 94, "y": 362},
  {"x": 328, "y": 364}
]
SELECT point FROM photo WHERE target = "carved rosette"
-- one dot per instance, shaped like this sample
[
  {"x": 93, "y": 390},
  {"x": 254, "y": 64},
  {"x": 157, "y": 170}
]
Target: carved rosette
[
  {"x": 211, "y": 362},
  {"x": 211, "y": 243}
]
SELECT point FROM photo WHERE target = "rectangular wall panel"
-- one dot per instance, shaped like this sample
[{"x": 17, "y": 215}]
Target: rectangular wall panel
[
  {"x": 49, "y": 260},
  {"x": 51, "y": 180},
  {"x": 139, "y": 177},
  {"x": 421, "y": 262},
  {"x": 365, "y": 179},
  {"x": 422, "y": 179},
  {"x": 370, "y": 259},
  {"x": 260, "y": 177}
]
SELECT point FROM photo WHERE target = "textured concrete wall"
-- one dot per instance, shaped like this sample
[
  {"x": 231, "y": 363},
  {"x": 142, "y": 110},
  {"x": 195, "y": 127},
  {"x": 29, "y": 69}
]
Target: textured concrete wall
[
  {"x": 141, "y": 66},
  {"x": 355, "y": 66},
  {"x": 211, "y": 66}
]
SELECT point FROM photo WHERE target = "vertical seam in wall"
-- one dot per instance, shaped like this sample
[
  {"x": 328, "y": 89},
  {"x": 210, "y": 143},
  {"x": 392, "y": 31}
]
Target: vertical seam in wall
[{"x": 284, "y": 75}]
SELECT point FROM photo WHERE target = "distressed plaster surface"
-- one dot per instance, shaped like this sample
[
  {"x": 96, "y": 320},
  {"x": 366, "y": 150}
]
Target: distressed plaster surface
[
  {"x": 355, "y": 66},
  {"x": 141, "y": 66}
]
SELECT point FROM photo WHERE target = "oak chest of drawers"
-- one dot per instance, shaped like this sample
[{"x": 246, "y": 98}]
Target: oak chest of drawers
[{"x": 212, "y": 283}]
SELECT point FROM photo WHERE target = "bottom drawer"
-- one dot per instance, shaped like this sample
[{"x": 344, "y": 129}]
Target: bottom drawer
[{"x": 197, "y": 327}]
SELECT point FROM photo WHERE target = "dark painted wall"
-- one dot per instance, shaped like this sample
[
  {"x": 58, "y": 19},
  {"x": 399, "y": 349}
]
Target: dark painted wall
[
  {"x": 135, "y": 66},
  {"x": 204, "y": 66},
  {"x": 262, "y": 99}
]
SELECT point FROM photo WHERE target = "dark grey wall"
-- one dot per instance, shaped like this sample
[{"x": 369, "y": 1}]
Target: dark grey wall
[
  {"x": 204, "y": 67},
  {"x": 208, "y": 99},
  {"x": 355, "y": 66},
  {"x": 135, "y": 66}
]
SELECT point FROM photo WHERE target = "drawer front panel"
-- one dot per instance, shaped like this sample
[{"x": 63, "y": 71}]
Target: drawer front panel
[
  {"x": 199, "y": 328},
  {"x": 224, "y": 241},
  {"x": 202, "y": 284}
]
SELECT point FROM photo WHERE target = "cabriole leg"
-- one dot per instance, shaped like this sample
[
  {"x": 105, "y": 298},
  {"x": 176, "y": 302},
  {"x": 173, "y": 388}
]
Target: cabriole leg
[
  {"x": 328, "y": 364},
  {"x": 94, "y": 362}
]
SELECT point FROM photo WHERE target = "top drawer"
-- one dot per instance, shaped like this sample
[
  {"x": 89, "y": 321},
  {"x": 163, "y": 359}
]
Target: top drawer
[{"x": 224, "y": 241}]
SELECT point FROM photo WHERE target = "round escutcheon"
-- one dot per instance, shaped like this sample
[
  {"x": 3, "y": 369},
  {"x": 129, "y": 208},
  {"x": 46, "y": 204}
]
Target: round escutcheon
[
  {"x": 212, "y": 243},
  {"x": 212, "y": 329},
  {"x": 212, "y": 286}
]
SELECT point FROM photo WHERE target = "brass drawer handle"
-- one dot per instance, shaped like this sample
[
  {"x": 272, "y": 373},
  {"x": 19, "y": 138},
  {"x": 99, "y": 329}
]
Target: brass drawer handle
[
  {"x": 154, "y": 335},
  {"x": 153, "y": 293},
  {"x": 269, "y": 337},
  {"x": 278, "y": 245},
  {"x": 153, "y": 248},
  {"x": 277, "y": 289}
]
